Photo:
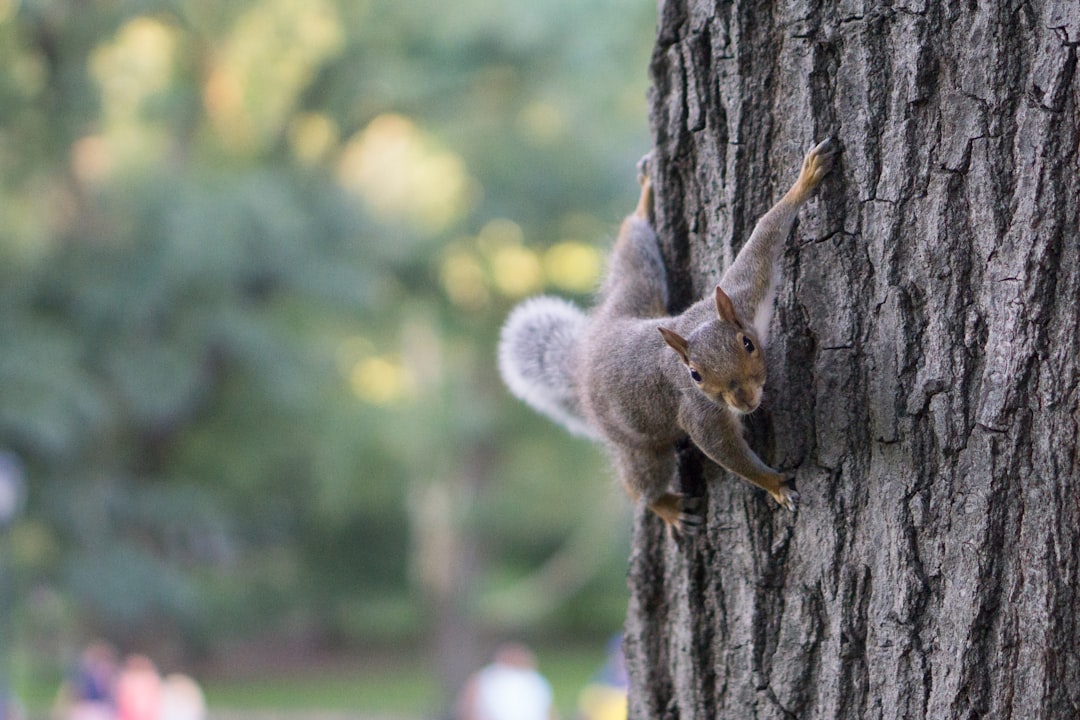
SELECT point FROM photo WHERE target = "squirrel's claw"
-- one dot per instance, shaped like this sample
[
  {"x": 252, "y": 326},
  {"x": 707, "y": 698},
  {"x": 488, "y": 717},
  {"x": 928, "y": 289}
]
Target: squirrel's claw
[
  {"x": 827, "y": 148},
  {"x": 788, "y": 498},
  {"x": 691, "y": 516}
]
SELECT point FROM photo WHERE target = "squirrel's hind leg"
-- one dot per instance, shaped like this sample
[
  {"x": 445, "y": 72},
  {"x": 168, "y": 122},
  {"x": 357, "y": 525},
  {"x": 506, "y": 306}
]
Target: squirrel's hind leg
[
  {"x": 636, "y": 283},
  {"x": 646, "y": 475},
  {"x": 683, "y": 514},
  {"x": 644, "y": 208}
]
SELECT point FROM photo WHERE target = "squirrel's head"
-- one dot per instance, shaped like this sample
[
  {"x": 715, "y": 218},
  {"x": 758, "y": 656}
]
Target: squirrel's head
[{"x": 723, "y": 358}]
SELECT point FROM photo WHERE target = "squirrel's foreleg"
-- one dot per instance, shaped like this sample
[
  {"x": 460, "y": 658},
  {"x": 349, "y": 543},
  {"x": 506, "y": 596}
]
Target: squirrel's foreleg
[
  {"x": 752, "y": 279},
  {"x": 718, "y": 433},
  {"x": 815, "y": 167}
]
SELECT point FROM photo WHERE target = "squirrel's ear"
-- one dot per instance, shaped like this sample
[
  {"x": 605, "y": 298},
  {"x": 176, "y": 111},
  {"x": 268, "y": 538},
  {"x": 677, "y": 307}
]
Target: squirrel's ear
[
  {"x": 677, "y": 343},
  {"x": 724, "y": 308}
]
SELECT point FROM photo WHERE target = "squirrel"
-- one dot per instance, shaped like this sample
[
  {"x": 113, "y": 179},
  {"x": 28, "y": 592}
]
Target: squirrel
[{"x": 640, "y": 380}]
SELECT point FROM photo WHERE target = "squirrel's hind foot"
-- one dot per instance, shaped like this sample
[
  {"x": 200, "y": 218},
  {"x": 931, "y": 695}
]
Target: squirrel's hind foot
[
  {"x": 645, "y": 202},
  {"x": 684, "y": 514},
  {"x": 644, "y": 165}
]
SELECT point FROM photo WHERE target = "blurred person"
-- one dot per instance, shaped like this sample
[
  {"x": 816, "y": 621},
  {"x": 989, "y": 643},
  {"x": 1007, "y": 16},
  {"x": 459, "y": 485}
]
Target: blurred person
[
  {"x": 604, "y": 698},
  {"x": 510, "y": 688},
  {"x": 138, "y": 690},
  {"x": 181, "y": 699},
  {"x": 89, "y": 693},
  {"x": 10, "y": 708}
]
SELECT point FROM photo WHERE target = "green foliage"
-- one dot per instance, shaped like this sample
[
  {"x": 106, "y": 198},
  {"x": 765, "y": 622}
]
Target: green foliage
[{"x": 231, "y": 345}]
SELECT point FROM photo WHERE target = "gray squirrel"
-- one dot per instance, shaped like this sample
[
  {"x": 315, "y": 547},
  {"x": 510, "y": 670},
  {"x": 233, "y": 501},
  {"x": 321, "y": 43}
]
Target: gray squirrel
[{"x": 611, "y": 375}]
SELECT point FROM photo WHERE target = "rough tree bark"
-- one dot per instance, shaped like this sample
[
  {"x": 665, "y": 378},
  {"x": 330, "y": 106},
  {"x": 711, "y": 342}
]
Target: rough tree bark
[{"x": 923, "y": 372}]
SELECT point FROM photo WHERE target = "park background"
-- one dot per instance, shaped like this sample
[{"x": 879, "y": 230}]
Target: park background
[{"x": 253, "y": 261}]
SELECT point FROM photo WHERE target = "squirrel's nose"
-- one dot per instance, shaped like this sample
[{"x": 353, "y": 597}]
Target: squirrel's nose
[{"x": 748, "y": 398}]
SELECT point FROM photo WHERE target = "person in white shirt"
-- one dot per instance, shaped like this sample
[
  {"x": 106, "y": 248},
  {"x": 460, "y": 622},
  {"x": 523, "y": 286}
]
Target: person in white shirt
[{"x": 510, "y": 688}]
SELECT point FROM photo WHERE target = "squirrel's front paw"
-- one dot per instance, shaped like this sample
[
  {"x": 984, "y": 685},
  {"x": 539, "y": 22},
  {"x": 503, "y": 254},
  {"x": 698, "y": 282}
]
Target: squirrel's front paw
[
  {"x": 787, "y": 497},
  {"x": 818, "y": 162}
]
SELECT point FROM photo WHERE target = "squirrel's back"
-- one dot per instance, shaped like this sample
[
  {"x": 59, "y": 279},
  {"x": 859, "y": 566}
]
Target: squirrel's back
[
  {"x": 538, "y": 349},
  {"x": 542, "y": 340}
]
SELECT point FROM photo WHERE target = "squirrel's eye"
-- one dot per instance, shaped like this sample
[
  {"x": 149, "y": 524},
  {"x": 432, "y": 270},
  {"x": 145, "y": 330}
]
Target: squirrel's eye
[
  {"x": 747, "y": 344},
  {"x": 695, "y": 375}
]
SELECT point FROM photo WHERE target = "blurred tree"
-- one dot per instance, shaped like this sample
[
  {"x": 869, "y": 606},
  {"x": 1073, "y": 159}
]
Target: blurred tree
[{"x": 255, "y": 256}]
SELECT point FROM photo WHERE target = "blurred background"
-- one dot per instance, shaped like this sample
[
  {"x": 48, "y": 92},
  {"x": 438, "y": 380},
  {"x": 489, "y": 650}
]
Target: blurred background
[{"x": 254, "y": 256}]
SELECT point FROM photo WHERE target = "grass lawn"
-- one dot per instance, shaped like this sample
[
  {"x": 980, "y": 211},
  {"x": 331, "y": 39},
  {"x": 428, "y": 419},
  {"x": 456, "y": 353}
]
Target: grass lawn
[
  {"x": 399, "y": 691},
  {"x": 37, "y": 691},
  {"x": 403, "y": 687}
]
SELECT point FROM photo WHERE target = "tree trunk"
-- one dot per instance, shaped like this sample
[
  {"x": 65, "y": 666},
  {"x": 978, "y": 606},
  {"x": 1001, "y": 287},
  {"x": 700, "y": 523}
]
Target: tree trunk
[{"x": 923, "y": 373}]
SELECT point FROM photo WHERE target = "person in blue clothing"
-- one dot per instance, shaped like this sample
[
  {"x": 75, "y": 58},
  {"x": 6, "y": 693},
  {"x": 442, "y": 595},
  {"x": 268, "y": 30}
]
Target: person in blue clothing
[
  {"x": 89, "y": 693},
  {"x": 604, "y": 698},
  {"x": 9, "y": 705}
]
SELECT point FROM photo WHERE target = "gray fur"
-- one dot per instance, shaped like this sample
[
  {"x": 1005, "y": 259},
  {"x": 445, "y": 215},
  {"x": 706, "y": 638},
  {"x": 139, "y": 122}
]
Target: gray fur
[
  {"x": 611, "y": 375},
  {"x": 537, "y": 351}
]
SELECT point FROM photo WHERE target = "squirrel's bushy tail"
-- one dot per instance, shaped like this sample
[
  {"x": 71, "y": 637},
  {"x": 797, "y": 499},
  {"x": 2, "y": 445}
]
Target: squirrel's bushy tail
[{"x": 537, "y": 352}]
